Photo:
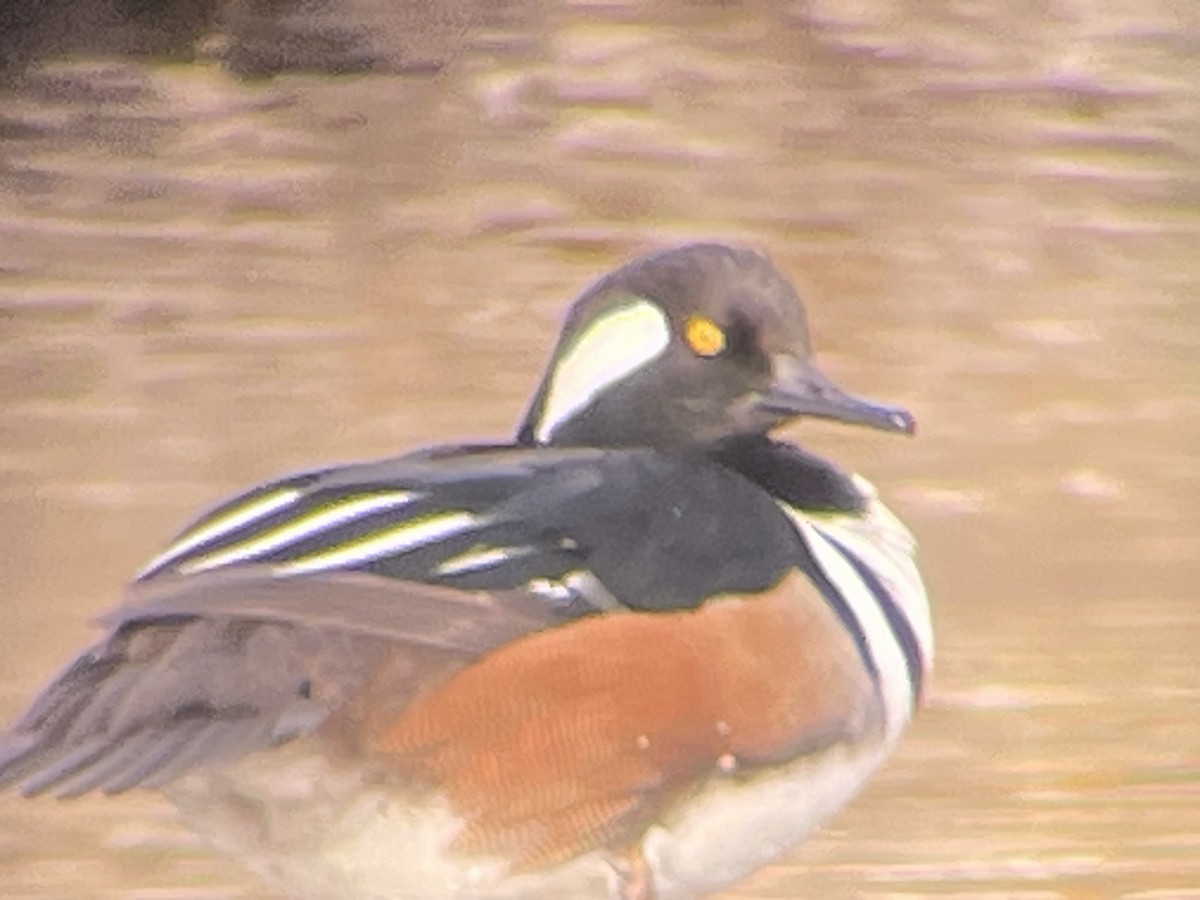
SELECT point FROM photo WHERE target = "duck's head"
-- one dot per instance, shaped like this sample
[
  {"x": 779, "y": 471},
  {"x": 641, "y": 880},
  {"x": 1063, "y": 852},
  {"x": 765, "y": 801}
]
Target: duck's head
[{"x": 686, "y": 348}]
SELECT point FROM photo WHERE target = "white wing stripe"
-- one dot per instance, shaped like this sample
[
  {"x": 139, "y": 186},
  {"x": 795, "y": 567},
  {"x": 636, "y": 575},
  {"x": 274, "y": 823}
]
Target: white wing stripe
[
  {"x": 258, "y": 508},
  {"x": 296, "y": 530},
  {"x": 479, "y": 559},
  {"x": 378, "y": 544}
]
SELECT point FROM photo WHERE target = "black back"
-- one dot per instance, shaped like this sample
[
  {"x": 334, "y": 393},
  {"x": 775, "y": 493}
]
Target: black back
[{"x": 657, "y": 531}]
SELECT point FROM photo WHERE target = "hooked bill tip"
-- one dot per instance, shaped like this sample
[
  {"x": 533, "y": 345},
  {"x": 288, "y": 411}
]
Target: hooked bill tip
[{"x": 904, "y": 421}]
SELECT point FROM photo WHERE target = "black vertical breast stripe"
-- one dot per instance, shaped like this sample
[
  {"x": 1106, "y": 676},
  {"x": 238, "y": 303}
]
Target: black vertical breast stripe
[
  {"x": 901, "y": 627},
  {"x": 840, "y": 606}
]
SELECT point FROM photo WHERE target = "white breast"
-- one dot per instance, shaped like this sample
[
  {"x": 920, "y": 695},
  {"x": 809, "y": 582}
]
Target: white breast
[{"x": 733, "y": 827}]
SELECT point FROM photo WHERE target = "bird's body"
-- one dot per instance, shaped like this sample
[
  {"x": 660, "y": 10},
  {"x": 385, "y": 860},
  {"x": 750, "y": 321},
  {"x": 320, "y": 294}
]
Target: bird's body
[{"x": 639, "y": 653}]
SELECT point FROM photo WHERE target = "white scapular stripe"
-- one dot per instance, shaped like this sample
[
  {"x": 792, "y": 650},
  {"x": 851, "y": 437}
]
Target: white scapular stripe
[
  {"x": 614, "y": 346},
  {"x": 882, "y": 642},
  {"x": 297, "y": 530},
  {"x": 383, "y": 543},
  {"x": 477, "y": 559},
  {"x": 231, "y": 520}
]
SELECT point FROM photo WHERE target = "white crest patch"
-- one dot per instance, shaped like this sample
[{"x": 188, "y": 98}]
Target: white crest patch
[{"x": 614, "y": 346}]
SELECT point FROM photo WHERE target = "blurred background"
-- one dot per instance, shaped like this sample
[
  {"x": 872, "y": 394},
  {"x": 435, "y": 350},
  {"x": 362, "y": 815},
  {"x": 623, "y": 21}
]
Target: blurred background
[{"x": 239, "y": 237}]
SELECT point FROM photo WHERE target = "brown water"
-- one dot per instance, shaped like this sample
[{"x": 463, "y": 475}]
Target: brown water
[{"x": 206, "y": 280}]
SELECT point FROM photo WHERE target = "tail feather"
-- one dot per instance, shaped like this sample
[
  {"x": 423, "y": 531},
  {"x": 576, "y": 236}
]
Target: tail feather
[
  {"x": 147, "y": 705},
  {"x": 100, "y": 772},
  {"x": 215, "y": 741},
  {"x": 208, "y": 668},
  {"x": 18, "y": 756},
  {"x": 59, "y": 766}
]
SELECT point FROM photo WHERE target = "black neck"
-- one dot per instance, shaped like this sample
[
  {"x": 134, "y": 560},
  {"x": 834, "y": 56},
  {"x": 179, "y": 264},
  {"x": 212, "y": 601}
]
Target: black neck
[{"x": 795, "y": 476}]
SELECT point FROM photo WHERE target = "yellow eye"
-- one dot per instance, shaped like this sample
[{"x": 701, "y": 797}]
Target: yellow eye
[{"x": 704, "y": 336}]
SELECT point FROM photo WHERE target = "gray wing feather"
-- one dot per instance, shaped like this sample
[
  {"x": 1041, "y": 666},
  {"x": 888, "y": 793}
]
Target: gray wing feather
[{"x": 202, "y": 669}]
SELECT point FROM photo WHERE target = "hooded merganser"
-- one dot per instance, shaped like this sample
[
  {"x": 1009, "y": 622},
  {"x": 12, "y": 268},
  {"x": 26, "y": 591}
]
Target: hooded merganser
[{"x": 638, "y": 653}]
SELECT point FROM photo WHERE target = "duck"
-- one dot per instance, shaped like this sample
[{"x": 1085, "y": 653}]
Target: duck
[{"x": 638, "y": 652}]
